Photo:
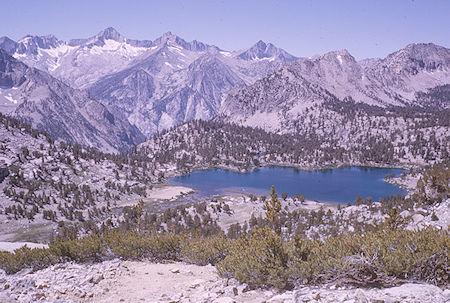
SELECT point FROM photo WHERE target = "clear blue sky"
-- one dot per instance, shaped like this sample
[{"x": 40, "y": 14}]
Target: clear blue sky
[{"x": 367, "y": 28}]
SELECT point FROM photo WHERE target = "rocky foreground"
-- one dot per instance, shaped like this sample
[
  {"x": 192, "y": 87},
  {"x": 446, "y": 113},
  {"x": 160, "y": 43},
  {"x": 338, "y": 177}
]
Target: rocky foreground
[{"x": 126, "y": 281}]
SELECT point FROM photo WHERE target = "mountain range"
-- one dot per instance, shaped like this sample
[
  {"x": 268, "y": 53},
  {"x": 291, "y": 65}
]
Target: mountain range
[
  {"x": 156, "y": 84},
  {"x": 149, "y": 86},
  {"x": 402, "y": 79},
  {"x": 37, "y": 98}
]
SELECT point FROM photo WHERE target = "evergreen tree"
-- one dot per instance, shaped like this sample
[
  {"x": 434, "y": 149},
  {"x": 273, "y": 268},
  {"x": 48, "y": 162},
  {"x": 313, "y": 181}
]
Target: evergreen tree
[{"x": 272, "y": 207}]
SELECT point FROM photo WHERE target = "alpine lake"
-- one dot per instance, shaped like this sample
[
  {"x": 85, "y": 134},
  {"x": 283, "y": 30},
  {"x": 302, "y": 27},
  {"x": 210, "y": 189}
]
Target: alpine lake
[{"x": 338, "y": 185}]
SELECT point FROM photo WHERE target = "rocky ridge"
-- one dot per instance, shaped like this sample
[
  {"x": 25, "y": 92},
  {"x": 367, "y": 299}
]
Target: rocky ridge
[
  {"x": 393, "y": 81},
  {"x": 156, "y": 84},
  {"x": 126, "y": 281},
  {"x": 78, "y": 62},
  {"x": 65, "y": 113},
  {"x": 180, "y": 81},
  {"x": 337, "y": 102}
]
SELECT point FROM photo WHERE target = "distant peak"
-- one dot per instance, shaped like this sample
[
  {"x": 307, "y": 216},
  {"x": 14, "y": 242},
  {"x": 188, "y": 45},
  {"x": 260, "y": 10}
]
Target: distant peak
[
  {"x": 260, "y": 43},
  {"x": 110, "y": 29},
  {"x": 413, "y": 45},
  {"x": 25, "y": 39},
  {"x": 168, "y": 34},
  {"x": 170, "y": 39},
  {"x": 421, "y": 49},
  {"x": 30, "y": 44},
  {"x": 265, "y": 51},
  {"x": 7, "y": 44},
  {"x": 109, "y": 33},
  {"x": 424, "y": 47},
  {"x": 342, "y": 52},
  {"x": 337, "y": 55},
  {"x": 34, "y": 38},
  {"x": 418, "y": 56},
  {"x": 5, "y": 38}
]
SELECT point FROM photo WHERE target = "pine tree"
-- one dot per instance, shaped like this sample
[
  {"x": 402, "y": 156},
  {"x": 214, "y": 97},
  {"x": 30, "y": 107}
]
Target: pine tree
[{"x": 272, "y": 207}]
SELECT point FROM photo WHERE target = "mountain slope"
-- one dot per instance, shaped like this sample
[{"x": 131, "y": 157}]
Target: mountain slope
[
  {"x": 180, "y": 81},
  {"x": 401, "y": 79},
  {"x": 156, "y": 84},
  {"x": 390, "y": 81},
  {"x": 66, "y": 113},
  {"x": 416, "y": 68},
  {"x": 79, "y": 62},
  {"x": 265, "y": 51},
  {"x": 341, "y": 106},
  {"x": 45, "y": 181}
]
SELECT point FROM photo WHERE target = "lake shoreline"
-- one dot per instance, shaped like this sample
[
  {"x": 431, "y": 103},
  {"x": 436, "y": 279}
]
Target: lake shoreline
[
  {"x": 327, "y": 183},
  {"x": 177, "y": 173}
]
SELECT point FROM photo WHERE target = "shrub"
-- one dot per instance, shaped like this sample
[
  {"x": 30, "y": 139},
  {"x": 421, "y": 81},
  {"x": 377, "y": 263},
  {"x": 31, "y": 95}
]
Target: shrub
[
  {"x": 134, "y": 245},
  {"x": 205, "y": 250},
  {"x": 258, "y": 259},
  {"x": 373, "y": 258},
  {"x": 90, "y": 248},
  {"x": 25, "y": 257},
  {"x": 394, "y": 220},
  {"x": 262, "y": 259}
]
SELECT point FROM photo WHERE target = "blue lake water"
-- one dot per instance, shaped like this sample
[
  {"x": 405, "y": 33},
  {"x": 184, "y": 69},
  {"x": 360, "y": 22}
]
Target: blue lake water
[{"x": 340, "y": 185}]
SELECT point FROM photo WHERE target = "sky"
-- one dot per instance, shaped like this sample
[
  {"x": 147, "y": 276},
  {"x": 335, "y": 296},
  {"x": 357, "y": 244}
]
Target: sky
[{"x": 366, "y": 28}]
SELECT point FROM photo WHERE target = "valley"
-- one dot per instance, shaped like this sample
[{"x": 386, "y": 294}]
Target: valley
[{"x": 121, "y": 153}]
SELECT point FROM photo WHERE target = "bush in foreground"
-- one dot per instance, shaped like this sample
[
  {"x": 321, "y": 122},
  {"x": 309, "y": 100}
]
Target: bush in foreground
[
  {"x": 258, "y": 259},
  {"x": 379, "y": 258},
  {"x": 262, "y": 259}
]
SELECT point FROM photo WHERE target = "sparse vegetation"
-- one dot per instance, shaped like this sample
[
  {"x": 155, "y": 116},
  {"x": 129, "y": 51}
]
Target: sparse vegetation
[
  {"x": 280, "y": 250},
  {"x": 262, "y": 258},
  {"x": 434, "y": 184}
]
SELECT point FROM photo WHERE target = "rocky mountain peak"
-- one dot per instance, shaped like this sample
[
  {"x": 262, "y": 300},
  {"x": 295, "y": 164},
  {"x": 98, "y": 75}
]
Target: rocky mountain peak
[
  {"x": 8, "y": 45},
  {"x": 265, "y": 51},
  {"x": 416, "y": 57},
  {"x": 65, "y": 113},
  {"x": 341, "y": 57},
  {"x": 9, "y": 67},
  {"x": 260, "y": 45},
  {"x": 168, "y": 35},
  {"x": 256, "y": 51},
  {"x": 167, "y": 38},
  {"x": 30, "y": 44},
  {"x": 110, "y": 33},
  {"x": 107, "y": 34}
]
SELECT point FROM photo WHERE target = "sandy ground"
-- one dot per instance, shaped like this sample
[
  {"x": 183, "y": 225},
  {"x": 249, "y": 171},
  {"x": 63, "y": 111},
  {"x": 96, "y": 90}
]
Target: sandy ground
[
  {"x": 168, "y": 192},
  {"x": 180, "y": 282},
  {"x": 172, "y": 282},
  {"x": 159, "y": 192},
  {"x": 11, "y": 246}
]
